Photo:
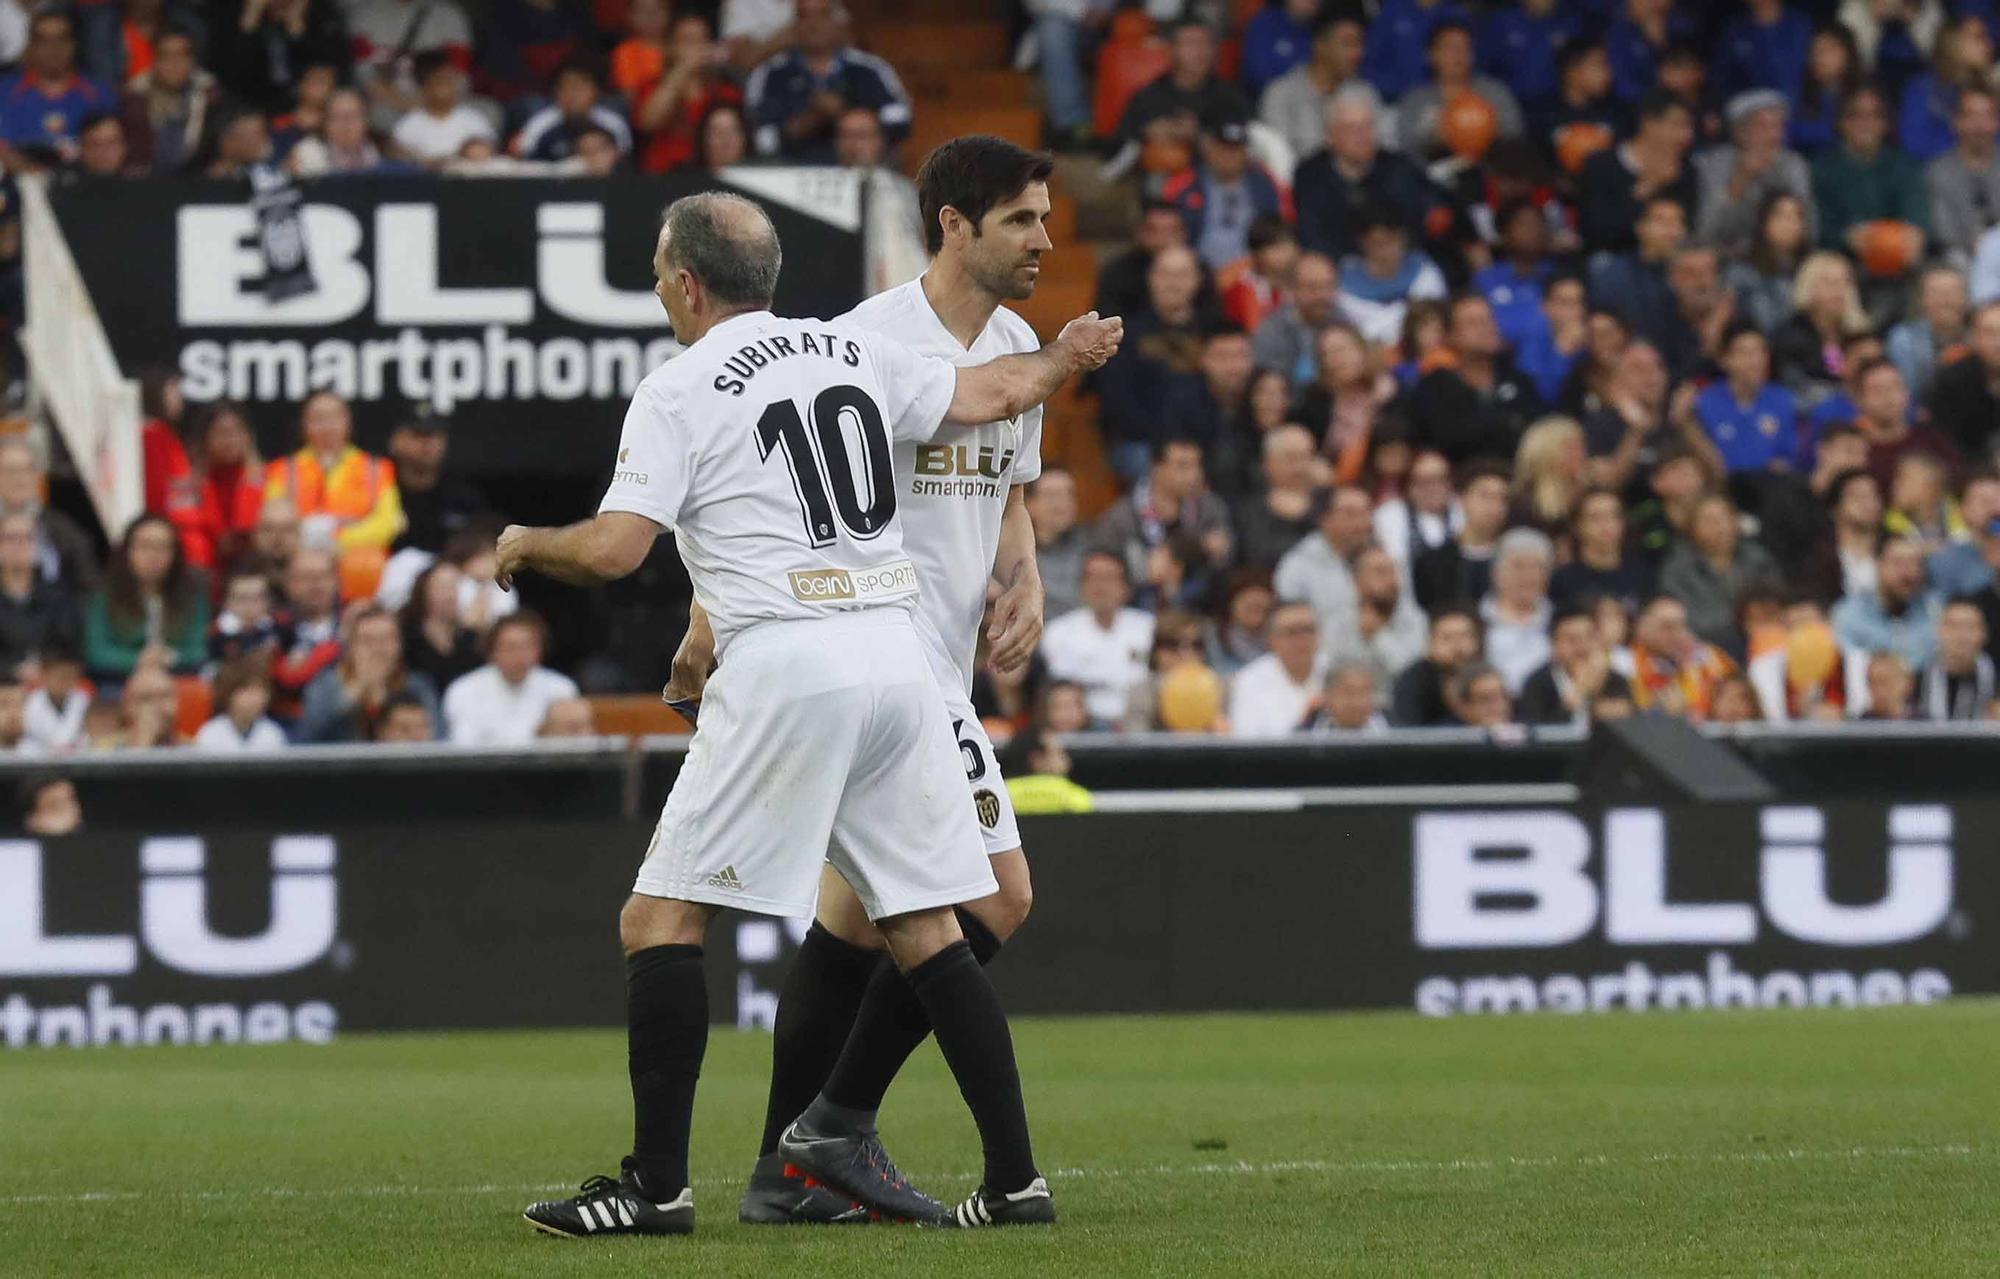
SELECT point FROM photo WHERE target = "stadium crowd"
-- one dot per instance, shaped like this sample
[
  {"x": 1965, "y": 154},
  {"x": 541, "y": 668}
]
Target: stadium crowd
[
  {"x": 1536, "y": 363},
  {"x": 1487, "y": 365}
]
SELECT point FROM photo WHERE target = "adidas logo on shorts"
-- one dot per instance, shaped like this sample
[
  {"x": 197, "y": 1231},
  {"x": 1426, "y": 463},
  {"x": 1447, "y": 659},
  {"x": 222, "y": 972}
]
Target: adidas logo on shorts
[{"x": 726, "y": 878}]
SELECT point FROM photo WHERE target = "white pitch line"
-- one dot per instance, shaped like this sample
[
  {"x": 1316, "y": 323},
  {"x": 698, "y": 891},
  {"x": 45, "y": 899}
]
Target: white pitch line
[{"x": 1234, "y": 1168}]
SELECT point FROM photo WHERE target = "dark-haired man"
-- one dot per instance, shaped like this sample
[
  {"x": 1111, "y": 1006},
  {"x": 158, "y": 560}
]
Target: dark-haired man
[
  {"x": 796, "y": 97},
  {"x": 984, "y": 202},
  {"x": 44, "y": 106},
  {"x": 1478, "y": 406},
  {"x": 1456, "y": 637},
  {"x": 576, "y": 108},
  {"x": 1577, "y": 673},
  {"x": 1616, "y": 182},
  {"x": 768, "y": 448}
]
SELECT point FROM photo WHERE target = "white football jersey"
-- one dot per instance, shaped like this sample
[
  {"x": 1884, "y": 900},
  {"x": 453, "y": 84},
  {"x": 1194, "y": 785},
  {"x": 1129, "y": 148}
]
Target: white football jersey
[
  {"x": 953, "y": 490},
  {"x": 767, "y": 448}
]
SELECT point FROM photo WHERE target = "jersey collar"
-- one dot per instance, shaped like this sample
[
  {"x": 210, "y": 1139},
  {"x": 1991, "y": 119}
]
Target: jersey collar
[{"x": 746, "y": 319}]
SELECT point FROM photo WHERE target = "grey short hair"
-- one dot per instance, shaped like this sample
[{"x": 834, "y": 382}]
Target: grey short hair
[
  {"x": 727, "y": 243},
  {"x": 1524, "y": 541},
  {"x": 1353, "y": 96}
]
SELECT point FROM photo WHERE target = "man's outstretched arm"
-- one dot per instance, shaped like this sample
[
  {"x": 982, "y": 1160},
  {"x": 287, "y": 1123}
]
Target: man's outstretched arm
[
  {"x": 1013, "y": 384},
  {"x": 600, "y": 549}
]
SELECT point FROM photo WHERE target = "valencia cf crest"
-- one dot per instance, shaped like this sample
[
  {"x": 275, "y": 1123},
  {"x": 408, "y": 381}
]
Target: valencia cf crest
[{"x": 987, "y": 805}]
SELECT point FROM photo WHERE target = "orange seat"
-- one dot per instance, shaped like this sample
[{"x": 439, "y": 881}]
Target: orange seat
[
  {"x": 361, "y": 571},
  {"x": 195, "y": 705},
  {"x": 1123, "y": 70},
  {"x": 1229, "y": 59}
]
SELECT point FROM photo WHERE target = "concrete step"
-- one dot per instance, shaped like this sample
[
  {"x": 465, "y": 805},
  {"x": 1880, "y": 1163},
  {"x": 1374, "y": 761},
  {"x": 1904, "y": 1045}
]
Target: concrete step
[
  {"x": 938, "y": 124},
  {"x": 940, "y": 85},
  {"x": 975, "y": 43},
  {"x": 1059, "y": 298},
  {"x": 874, "y": 12}
]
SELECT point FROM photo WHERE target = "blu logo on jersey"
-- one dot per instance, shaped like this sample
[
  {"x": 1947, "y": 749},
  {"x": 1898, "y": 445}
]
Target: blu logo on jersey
[{"x": 960, "y": 459}]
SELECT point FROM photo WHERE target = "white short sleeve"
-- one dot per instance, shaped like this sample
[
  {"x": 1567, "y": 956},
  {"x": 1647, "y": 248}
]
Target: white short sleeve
[
  {"x": 1028, "y": 462},
  {"x": 655, "y": 461},
  {"x": 916, "y": 389}
]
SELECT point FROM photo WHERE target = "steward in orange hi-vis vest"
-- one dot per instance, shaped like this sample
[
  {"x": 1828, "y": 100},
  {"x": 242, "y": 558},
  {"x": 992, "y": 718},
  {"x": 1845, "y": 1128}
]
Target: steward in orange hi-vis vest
[{"x": 330, "y": 480}]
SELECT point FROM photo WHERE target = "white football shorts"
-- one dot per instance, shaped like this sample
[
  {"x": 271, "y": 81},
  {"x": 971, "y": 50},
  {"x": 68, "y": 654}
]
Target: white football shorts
[
  {"x": 821, "y": 740},
  {"x": 992, "y": 808}
]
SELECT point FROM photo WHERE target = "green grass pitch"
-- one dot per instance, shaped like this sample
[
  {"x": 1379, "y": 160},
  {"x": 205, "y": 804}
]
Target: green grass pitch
[{"x": 1821, "y": 1143}]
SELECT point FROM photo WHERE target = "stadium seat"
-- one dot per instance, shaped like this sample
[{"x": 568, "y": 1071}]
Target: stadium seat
[
  {"x": 194, "y": 704},
  {"x": 361, "y": 571},
  {"x": 635, "y": 715},
  {"x": 1123, "y": 68},
  {"x": 1269, "y": 148}
]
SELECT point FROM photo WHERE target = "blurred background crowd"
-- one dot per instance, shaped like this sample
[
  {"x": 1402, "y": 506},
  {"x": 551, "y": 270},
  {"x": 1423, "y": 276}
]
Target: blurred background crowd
[{"x": 1487, "y": 364}]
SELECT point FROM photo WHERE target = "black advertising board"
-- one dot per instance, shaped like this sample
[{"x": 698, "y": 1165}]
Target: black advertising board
[
  {"x": 270, "y": 933},
  {"x": 521, "y": 308}
]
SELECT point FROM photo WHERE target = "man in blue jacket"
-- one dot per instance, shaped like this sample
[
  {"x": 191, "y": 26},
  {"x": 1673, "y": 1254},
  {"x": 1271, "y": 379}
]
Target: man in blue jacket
[{"x": 796, "y": 98}]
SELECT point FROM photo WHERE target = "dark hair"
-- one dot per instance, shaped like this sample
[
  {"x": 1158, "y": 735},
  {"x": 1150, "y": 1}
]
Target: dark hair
[
  {"x": 1514, "y": 207},
  {"x": 1657, "y": 103},
  {"x": 1976, "y": 475},
  {"x": 1484, "y": 469},
  {"x": 702, "y": 158},
  {"x": 62, "y": 646},
  {"x": 1114, "y": 557},
  {"x": 594, "y": 131},
  {"x": 1267, "y": 229},
  {"x": 1740, "y": 329},
  {"x": 1588, "y": 495},
  {"x": 1863, "y": 90},
  {"x": 96, "y": 118},
  {"x": 29, "y": 792},
  {"x": 972, "y": 175},
  {"x": 1966, "y": 601},
  {"x": 1457, "y": 608},
  {"x": 1022, "y": 747},
  {"x": 1443, "y": 29},
  {"x": 736, "y": 258},
  {"x": 390, "y": 705},
  {"x": 1654, "y": 201},
  {"x": 124, "y": 603},
  {"x": 575, "y": 66},
  {"x": 153, "y": 384},
  {"x": 526, "y": 619},
  {"x": 1414, "y": 316},
  {"x": 234, "y": 676},
  {"x": 411, "y": 615},
  {"x": 1573, "y": 51},
  {"x": 1376, "y": 216},
  {"x": 1835, "y": 431},
  {"x": 1579, "y": 608},
  {"x": 1173, "y": 441},
  {"x": 429, "y": 63},
  {"x": 1870, "y": 367},
  {"x": 1811, "y": 95},
  {"x": 1763, "y": 256},
  {"x": 1331, "y": 16}
]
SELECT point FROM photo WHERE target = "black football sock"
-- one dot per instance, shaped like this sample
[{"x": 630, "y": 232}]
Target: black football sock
[
  {"x": 972, "y": 1033},
  {"x": 667, "y": 1035},
  {"x": 815, "y": 1013},
  {"x": 890, "y": 1025}
]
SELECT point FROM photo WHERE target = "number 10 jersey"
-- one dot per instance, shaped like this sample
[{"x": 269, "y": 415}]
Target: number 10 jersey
[{"x": 767, "y": 447}]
